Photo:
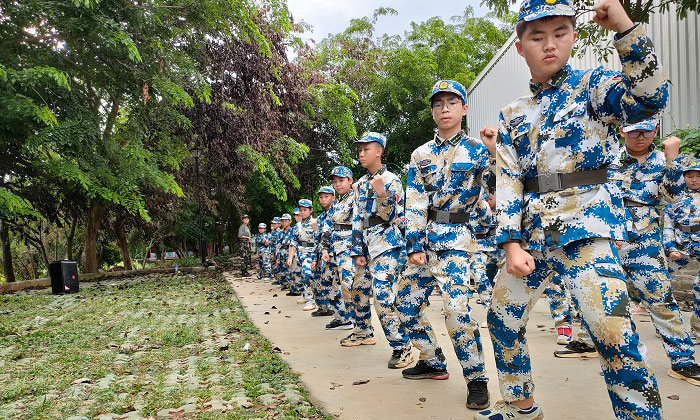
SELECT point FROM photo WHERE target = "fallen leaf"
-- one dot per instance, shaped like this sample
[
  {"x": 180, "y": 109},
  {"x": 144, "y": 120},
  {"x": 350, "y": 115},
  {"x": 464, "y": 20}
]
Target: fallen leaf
[
  {"x": 674, "y": 397},
  {"x": 361, "y": 382}
]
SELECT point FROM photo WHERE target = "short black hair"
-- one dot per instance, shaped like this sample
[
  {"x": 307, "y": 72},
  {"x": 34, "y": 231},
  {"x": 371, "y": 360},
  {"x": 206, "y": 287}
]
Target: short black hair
[{"x": 521, "y": 26}]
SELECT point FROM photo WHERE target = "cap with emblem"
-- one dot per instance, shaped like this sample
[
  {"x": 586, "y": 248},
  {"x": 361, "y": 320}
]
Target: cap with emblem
[
  {"x": 692, "y": 165},
  {"x": 370, "y": 137},
  {"x": 262, "y": 226},
  {"x": 646, "y": 125},
  {"x": 326, "y": 190},
  {"x": 341, "y": 172},
  {"x": 450, "y": 86},
  {"x": 296, "y": 211},
  {"x": 286, "y": 216},
  {"x": 305, "y": 202},
  {"x": 245, "y": 216},
  {"x": 276, "y": 220},
  {"x": 537, "y": 9}
]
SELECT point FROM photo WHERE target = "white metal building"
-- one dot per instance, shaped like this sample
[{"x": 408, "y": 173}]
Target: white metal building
[{"x": 506, "y": 77}]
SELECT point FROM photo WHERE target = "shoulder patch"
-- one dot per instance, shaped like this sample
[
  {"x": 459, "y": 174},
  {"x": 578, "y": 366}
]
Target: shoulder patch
[
  {"x": 425, "y": 162},
  {"x": 517, "y": 121}
]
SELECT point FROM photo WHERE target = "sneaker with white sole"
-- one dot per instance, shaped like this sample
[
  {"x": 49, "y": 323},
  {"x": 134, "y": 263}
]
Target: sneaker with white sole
[
  {"x": 478, "y": 397},
  {"x": 563, "y": 336},
  {"x": 400, "y": 358},
  {"x": 355, "y": 339},
  {"x": 503, "y": 410},
  {"x": 337, "y": 324},
  {"x": 690, "y": 374},
  {"x": 310, "y": 306}
]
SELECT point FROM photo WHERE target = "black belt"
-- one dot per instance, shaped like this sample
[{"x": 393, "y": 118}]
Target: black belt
[
  {"x": 373, "y": 221},
  {"x": 690, "y": 229},
  {"x": 481, "y": 235},
  {"x": 630, "y": 203},
  {"x": 342, "y": 226},
  {"x": 306, "y": 244},
  {"x": 440, "y": 216},
  {"x": 559, "y": 181}
]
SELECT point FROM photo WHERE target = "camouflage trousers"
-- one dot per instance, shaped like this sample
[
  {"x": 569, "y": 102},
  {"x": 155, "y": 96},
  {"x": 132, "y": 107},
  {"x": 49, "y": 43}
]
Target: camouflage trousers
[
  {"x": 346, "y": 271},
  {"x": 330, "y": 275},
  {"x": 264, "y": 267},
  {"x": 648, "y": 282},
  {"x": 484, "y": 286},
  {"x": 592, "y": 271},
  {"x": 560, "y": 305},
  {"x": 245, "y": 256},
  {"x": 309, "y": 276},
  {"x": 323, "y": 284},
  {"x": 282, "y": 273},
  {"x": 695, "y": 317},
  {"x": 449, "y": 271},
  {"x": 380, "y": 275},
  {"x": 296, "y": 277}
]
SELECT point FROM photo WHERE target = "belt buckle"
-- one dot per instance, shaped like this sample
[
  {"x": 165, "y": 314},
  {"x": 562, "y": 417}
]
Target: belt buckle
[
  {"x": 549, "y": 182},
  {"x": 442, "y": 216},
  {"x": 365, "y": 223}
]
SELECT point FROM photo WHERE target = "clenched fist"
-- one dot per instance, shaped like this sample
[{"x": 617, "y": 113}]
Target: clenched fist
[
  {"x": 488, "y": 136},
  {"x": 610, "y": 15},
  {"x": 377, "y": 184},
  {"x": 672, "y": 147}
]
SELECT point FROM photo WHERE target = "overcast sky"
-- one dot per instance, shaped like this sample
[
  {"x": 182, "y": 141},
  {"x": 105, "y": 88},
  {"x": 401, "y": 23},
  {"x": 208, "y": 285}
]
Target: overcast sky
[{"x": 332, "y": 16}]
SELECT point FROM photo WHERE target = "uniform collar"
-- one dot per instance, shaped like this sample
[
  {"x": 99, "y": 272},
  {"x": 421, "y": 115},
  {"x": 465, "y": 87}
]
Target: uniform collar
[
  {"x": 625, "y": 157},
  {"x": 379, "y": 172},
  {"x": 344, "y": 196},
  {"x": 556, "y": 81},
  {"x": 452, "y": 140}
]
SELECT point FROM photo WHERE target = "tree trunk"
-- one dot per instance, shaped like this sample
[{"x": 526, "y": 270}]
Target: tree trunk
[
  {"x": 7, "y": 266},
  {"x": 122, "y": 241},
  {"x": 71, "y": 236},
  {"x": 94, "y": 219}
]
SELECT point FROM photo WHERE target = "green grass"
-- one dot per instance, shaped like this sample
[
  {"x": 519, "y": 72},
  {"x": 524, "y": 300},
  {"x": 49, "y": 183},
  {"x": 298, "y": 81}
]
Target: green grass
[{"x": 167, "y": 341}]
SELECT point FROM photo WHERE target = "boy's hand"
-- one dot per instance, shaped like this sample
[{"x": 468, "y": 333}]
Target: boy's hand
[
  {"x": 672, "y": 147},
  {"x": 417, "y": 258},
  {"x": 518, "y": 261},
  {"x": 325, "y": 257},
  {"x": 289, "y": 262},
  {"x": 377, "y": 184},
  {"x": 488, "y": 136},
  {"x": 675, "y": 255},
  {"x": 360, "y": 261},
  {"x": 610, "y": 15},
  {"x": 313, "y": 265},
  {"x": 314, "y": 225}
]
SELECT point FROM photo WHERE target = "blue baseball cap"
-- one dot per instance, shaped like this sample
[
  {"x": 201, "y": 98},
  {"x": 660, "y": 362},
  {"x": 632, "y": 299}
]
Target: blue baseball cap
[
  {"x": 276, "y": 220},
  {"x": 450, "y": 86},
  {"x": 537, "y": 9},
  {"x": 286, "y": 216},
  {"x": 371, "y": 136},
  {"x": 341, "y": 171},
  {"x": 305, "y": 202},
  {"x": 326, "y": 190},
  {"x": 646, "y": 125},
  {"x": 296, "y": 211},
  {"x": 692, "y": 165},
  {"x": 262, "y": 226}
]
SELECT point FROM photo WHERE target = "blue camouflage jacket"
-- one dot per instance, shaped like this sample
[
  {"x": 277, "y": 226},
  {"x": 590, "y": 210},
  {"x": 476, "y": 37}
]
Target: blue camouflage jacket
[
  {"x": 383, "y": 237},
  {"x": 260, "y": 241},
  {"x": 483, "y": 223},
  {"x": 685, "y": 212},
  {"x": 340, "y": 213},
  {"x": 647, "y": 183},
  {"x": 432, "y": 185},
  {"x": 304, "y": 232},
  {"x": 566, "y": 125}
]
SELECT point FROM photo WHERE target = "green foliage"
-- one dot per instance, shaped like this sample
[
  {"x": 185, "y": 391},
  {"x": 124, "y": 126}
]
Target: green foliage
[{"x": 690, "y": 140}]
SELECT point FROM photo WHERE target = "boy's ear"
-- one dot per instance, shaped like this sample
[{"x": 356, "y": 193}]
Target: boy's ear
[
  {"x": 519, "y": 47},
  {"x": 465, "y": 109}
]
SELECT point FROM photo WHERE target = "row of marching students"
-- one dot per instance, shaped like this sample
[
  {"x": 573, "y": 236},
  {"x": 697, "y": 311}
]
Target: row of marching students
[{"x": 572, "y": 208}]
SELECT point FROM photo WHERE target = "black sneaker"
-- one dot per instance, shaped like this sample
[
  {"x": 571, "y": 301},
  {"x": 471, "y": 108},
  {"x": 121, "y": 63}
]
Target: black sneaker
[
  {"x": 576, "y": 349},
  {"x": 337, "y": 324},
  {"x": 323, "y": 312},
  {"x": 400, "y": 358},
  {"x": 690, "y": 374},
  {"x": 290, "y": 293},
  {"x": 478, "y": 397},
  {"x": 422, "y": 371}
]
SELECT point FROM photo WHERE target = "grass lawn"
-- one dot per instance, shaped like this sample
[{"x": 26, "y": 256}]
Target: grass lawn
[{"x": 158, "y": 346}]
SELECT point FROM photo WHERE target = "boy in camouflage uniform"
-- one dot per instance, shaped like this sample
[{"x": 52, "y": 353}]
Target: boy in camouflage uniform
[
  {"x": 682, "y": 236},
  {"x": 445, "y": 179},
  {"x": 283, "y": 272},
  {"x": 244, "y": 237},
  {"x": 274, "y": 246},
  {"x": 646, "y": 176},
  {"x": 336, "y": 242},
  {"x": 379, "y": 247},
  {"x": 324, "y": 272},
  {"x": 558, "y": 214},
  {"x": 296, "y": 284},
  {"x": 303, "y": 245},
  {"x": 262, "y": 248}
]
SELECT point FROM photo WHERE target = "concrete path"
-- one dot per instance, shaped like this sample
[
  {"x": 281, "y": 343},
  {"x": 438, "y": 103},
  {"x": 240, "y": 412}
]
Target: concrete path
[{"x": 566, "y": 389}]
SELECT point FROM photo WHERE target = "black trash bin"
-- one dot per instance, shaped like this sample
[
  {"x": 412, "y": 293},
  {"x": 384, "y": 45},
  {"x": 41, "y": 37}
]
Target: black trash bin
[{"x": 64, "y": 277}]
